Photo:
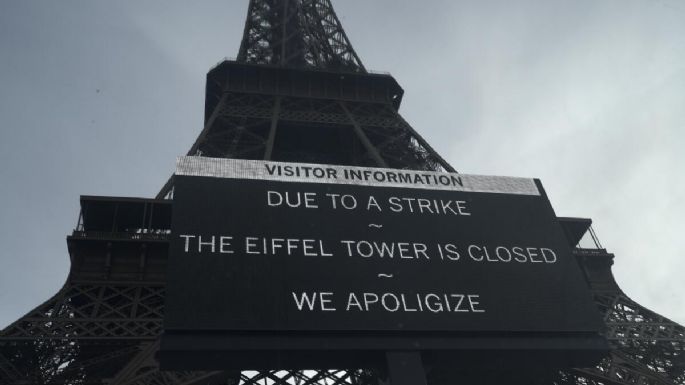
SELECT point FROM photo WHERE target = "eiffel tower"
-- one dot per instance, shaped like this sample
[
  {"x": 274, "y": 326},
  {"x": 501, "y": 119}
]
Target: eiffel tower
[{"x": 297, "y": 92}]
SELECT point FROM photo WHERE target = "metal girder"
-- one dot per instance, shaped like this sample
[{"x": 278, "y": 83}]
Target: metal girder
[
  {"x": 272, "y": 129},
  {"x": 370, "y": 148},
  {"x": 81, "y": 311},
  {"x": 647, "y": 349},
  {"x": 309, "y": 377},
  {"x": 627, "y": 320},
  {"x": 297, "y": 33},
  {"x": 642, "y": 336},
  {"x": 244, "y": 126},
  {"x": 8, "y": 373},
  {"x": 621, "y": 371}
]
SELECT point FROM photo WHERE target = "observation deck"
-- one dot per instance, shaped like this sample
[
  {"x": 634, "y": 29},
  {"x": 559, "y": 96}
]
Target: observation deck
[{"x": 122, "y": 239}]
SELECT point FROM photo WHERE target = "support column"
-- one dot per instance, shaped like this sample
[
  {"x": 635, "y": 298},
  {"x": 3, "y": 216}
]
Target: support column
[
  {"x": 272, "y": 130},
  {"x": 370, "y": 148},
  {"x": 425, "y": 144}
]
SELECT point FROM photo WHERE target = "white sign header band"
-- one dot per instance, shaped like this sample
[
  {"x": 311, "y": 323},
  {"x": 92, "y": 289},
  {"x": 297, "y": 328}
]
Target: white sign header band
[{"x": 363, "y": 176}]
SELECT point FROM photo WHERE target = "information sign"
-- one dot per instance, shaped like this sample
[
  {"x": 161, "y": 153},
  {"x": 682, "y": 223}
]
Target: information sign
[{"x": 280, "y": 247}]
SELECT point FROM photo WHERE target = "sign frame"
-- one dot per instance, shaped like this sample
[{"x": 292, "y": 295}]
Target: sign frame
[{"x": 210, "y": 347}]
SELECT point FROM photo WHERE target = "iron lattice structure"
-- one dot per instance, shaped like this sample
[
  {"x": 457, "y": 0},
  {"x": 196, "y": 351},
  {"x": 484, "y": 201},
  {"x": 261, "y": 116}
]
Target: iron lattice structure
[
  {"x": 297, "y": 33},
  {"x": 298, "y": 92}
]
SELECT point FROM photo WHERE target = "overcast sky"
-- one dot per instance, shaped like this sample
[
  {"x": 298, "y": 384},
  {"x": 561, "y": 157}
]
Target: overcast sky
[{"x": 99, "y": 97}]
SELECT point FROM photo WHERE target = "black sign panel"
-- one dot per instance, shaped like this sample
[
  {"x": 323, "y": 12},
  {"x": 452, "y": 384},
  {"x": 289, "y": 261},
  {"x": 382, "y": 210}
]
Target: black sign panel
[{"x": 381, "y": 253}]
